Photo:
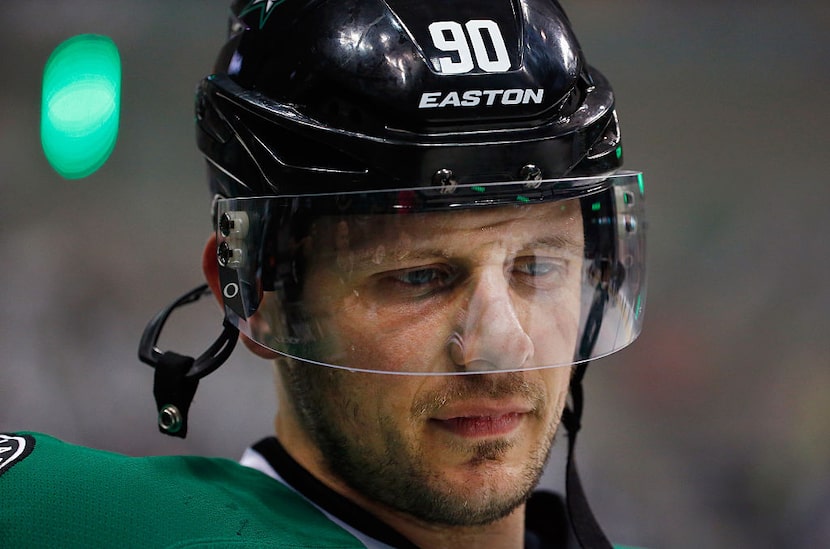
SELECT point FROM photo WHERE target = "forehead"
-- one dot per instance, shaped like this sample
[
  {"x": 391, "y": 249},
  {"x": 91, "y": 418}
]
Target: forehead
[{"x": 550, "y": 222}]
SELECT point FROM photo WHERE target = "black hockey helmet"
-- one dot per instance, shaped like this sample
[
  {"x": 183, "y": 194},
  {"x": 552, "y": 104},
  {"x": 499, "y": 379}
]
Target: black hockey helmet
[
  {"x": 328, "y": 96},
  {"x": 392, "y": 106}
]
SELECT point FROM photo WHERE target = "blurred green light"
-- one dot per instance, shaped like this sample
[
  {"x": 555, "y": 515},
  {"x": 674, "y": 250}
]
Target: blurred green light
[
  {"x": 80, "y": 104},
  {"x": 619, "y": 152},
  {"x": 524, "y": 199},
  {"x": 478, "y": 189},
  {"x": 596, "y": 206},
  {"x": 642, "y": 185}
]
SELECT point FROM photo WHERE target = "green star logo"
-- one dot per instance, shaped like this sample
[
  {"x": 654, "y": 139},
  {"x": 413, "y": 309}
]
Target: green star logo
[{"x": 265, "y": 7}]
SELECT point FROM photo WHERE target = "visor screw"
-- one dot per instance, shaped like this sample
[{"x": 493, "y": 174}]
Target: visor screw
[
  {"x": 229, "y": 257},
  {"x": 225, "y": 225},
  {"x": 235, "y": 223},
  {"x": 532, "y": 174},
  {"x": 444, "y": 178},
  {"x": 170, "y": 419},
  {"x": 223, "y": 254}
]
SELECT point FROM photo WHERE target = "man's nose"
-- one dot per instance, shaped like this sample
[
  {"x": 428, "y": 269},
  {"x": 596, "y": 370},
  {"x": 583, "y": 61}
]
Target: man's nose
[{"x": 490, "y": 334}]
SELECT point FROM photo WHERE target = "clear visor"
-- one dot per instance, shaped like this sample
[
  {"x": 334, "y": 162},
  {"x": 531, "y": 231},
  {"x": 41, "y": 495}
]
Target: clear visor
[{"x": 465, "y": 279}]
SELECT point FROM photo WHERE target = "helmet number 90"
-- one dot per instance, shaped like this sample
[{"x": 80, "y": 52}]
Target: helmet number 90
[{"x": 449, "y": 36}]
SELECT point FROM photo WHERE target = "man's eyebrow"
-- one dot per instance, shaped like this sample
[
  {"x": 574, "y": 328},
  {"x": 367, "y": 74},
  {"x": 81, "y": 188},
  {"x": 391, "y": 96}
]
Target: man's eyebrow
[
  {"x": 379, "y": 253},
  {"x": 557, "y": 241}
]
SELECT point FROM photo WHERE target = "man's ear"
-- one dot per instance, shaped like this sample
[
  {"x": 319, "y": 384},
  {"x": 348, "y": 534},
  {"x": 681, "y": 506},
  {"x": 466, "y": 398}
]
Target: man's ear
[
  {"x": 211, "y": 270},
  {"x": 210, "y": 267}
]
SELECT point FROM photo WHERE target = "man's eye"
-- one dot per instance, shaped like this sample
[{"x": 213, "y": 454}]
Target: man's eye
[
  {"x": 539, "y": 267},
  {"x": 417, "y": 282},
  {"x": 423, "y": 277}
]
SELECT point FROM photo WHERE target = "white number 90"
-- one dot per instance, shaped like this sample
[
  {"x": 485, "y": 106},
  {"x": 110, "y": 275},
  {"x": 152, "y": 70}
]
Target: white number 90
[{"x": 449, "y": 36}]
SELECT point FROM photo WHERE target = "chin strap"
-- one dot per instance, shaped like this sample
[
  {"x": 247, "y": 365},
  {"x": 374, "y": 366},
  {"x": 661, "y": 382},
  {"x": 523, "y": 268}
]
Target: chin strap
[
  {"x": 585, "y": 526},
  {"x": 177, "y": 376}
]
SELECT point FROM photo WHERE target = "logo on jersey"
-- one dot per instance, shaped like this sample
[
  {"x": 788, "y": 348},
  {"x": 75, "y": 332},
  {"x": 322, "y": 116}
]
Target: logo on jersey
[
  {"x": 265, "y": 7},
  {"x": 13, "y": 449}
]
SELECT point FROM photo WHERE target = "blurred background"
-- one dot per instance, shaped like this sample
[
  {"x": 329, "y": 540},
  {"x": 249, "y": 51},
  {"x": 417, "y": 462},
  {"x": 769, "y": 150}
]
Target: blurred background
[{"x": 712, "y": 430}]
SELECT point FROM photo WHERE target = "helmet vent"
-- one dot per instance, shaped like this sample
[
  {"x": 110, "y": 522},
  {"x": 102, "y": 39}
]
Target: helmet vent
[{"x": 293, "y": 150}]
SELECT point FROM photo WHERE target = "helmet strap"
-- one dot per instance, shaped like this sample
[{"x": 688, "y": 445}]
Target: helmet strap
[
  {"x": 177, "y": 376},
  {"x": 585, "y": 526}
]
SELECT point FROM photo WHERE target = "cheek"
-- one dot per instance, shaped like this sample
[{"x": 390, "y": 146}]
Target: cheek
[
  {"x": 554, "y": 328},
  {"x": 557, "y": 383},
  {"x": 409, "y": 349},
  {"x": 375, "y": 409},
  {"x": 392, "y": 342}
]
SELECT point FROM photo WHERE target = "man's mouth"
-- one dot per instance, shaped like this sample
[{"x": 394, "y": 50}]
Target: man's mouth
[
  {"x": 482, "y": 419},
  {"x": 481, "y": 426}
]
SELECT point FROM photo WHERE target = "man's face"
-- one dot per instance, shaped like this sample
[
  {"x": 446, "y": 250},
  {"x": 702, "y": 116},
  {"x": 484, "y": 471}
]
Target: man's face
[{"x": 486, "y": 293}]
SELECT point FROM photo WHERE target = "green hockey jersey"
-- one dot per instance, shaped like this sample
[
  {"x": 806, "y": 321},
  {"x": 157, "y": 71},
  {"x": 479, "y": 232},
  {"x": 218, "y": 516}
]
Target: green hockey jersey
[
  {"x": 60, "y": 495},
  {"x": 56, "y": 494}
]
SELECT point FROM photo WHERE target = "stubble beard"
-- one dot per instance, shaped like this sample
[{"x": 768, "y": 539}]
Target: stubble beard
[{"x": 397, "y": 475}]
